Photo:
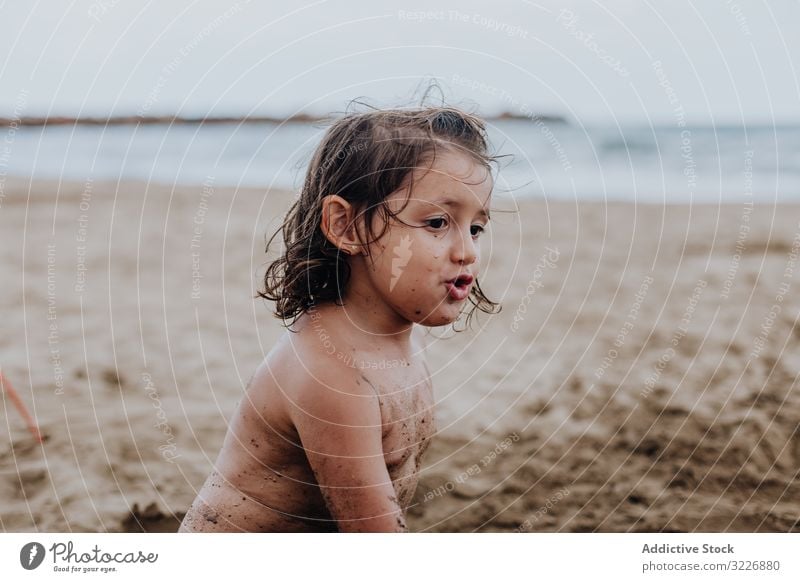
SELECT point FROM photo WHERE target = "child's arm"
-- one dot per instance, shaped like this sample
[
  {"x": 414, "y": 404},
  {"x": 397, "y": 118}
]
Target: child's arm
[{"x": 338, "y": 419}]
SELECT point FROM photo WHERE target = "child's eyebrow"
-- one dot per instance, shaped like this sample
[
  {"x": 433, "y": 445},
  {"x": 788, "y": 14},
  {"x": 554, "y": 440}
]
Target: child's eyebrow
[{"x": 458, "y": 204}]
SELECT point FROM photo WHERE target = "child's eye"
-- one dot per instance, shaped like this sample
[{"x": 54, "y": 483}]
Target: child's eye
[
  {"x": 437, "y": 223},
  {"x": 477, "y": 230}
]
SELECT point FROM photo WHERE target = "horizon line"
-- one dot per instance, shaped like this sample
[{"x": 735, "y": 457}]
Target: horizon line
[{"x": 178, "y": 120}]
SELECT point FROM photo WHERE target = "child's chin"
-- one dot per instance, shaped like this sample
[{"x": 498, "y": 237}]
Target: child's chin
[{"x": 438, "y": 319}]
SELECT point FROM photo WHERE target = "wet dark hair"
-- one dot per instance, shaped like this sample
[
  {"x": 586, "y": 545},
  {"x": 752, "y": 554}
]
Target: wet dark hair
[{"x": 363, "y": 157}]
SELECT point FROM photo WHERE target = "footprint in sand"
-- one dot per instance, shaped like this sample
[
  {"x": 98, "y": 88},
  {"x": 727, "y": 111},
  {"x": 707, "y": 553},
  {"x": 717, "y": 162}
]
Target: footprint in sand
[
  {"x": 112, "y": 378},
  {"x": 30, "y": 482}
]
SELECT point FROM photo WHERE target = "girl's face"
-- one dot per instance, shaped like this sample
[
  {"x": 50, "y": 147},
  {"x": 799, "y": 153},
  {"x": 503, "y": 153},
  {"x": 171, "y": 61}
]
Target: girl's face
[{"x": 425, "y": 271}]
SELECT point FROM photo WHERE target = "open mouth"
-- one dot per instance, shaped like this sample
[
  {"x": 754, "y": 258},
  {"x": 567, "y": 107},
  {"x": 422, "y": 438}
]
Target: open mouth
[{"x": 460, "y": 287}]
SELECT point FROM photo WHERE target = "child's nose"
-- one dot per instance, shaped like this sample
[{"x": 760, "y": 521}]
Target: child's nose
[{"x": 465, "y": 247}]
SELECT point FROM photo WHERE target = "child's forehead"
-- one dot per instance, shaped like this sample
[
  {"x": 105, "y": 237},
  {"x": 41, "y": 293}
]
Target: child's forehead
[
  {"x": 449, "y": 199},
  {"x": 454, "y": 166},
  {"x": 453, "y": 178}
]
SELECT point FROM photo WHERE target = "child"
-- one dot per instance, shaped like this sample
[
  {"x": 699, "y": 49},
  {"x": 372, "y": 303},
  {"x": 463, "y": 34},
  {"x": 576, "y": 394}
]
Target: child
[{"x": 330, "y": 434}]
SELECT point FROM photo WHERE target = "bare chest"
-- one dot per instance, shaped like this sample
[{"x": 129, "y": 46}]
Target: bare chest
[{"x": 407, "y": 414}]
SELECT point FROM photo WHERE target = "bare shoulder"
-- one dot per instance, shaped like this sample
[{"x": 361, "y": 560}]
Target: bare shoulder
[
  {"x": 299, "y": 381},
  {"x": 312, "y": 375}
]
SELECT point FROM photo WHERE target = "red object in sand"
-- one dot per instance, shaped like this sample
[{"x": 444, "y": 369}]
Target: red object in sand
[{"x": 20, "y": 405}]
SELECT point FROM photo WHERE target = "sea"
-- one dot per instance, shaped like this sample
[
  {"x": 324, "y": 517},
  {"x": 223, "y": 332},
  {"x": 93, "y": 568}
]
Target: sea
[{"x": 646, "y": 163}]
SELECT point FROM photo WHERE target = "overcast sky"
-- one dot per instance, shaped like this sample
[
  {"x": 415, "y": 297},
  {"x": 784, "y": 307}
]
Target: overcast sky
[{"x": 720, "y": 61}]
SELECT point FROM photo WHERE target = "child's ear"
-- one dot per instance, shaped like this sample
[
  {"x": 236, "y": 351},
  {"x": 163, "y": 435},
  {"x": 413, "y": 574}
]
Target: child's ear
[{"x": 338, "y": 224}]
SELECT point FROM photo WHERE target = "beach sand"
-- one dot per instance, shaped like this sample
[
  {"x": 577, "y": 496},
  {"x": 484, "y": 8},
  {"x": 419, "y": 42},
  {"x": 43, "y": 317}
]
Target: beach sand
[{"x": 642, "y": 375}]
